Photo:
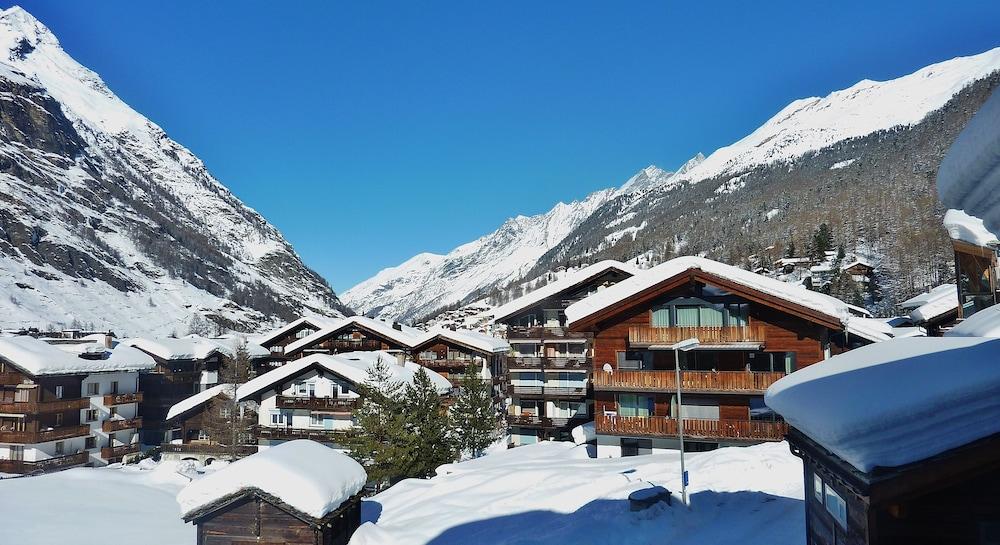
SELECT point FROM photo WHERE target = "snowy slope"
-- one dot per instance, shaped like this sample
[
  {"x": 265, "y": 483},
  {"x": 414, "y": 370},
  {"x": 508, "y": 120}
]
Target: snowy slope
[
  {"x": 108, "y": 221},
  {"x": 427, "y": 282},
  {"x": 805, "y": 126}
]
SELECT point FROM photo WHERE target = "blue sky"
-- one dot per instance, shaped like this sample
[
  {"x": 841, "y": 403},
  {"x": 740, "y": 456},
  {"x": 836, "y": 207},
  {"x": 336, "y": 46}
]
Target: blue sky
[{"x": 370, "y": 131}]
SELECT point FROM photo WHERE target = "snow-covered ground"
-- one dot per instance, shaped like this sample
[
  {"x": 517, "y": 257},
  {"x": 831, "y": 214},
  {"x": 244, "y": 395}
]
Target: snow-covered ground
[
  {"x": 545, "y": 493},
  {"x": 553, "y": 493}
]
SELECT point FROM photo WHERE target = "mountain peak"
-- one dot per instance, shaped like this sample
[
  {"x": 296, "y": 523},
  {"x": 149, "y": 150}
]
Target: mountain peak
[{"x": 19, "y": 25}]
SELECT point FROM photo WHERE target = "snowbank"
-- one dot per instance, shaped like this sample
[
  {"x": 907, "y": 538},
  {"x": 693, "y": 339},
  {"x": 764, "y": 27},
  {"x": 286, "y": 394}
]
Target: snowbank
[
  {"x": 969, "y": 175},
  {"x": 896, "y": 402},
  {"x": 306, "y": 475},
  {"x": 38, "y": 357},
  {"x": 985, "y": 323}
]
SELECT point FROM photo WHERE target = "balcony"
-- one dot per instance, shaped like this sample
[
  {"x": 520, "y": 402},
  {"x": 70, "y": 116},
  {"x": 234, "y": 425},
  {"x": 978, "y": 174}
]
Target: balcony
[
  {"x": 445, "y": 363},
  {"x": 122, "y": 399},
  {"x": 53, "y": 434},
  {"x": 206, "y": 448},
  {"x": 538, "y": 332},
  {"x": 286, "y": 433},
  {"x": 535, "y": 421},
  {"x": 351, "y": 345},
  {"x": 111, "y": 453},
  {"x": 111, "y": 426},
  {"x": 557, "y": 362},
  {"x": 49, "y": 464},
  {"x": 661, "y": 426},
  {"x": 639, "y": 336},
  {"x": 332, "y": 404},
  {"x": 710, "y": 382},
  {"x": 548, "y": 391},
  {"x": 35, "y": 407}
]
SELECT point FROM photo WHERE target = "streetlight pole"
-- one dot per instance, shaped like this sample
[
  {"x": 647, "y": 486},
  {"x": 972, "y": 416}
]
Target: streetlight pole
[{"x": 685, "y": 345}]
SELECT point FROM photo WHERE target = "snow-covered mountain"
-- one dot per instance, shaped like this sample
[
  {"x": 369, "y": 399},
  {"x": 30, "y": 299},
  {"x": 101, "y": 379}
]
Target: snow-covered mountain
[
  {"x": 107, "y": 221},
  {"x": 655, "y": 212}
]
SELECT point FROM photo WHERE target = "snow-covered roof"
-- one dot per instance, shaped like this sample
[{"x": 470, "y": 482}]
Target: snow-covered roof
[
  {"x": 405, "y": 335},
  {"x": 932, "y": 304},
  {"x": 966, "y": 228},
  {"x": 896, "y": 402},
  {"x": 567, "y": 282},
  {"x": 38, "y": 357},
  {"x": 869, "y": 328},
  {"x": 311, "y": 478},
  {"x": 352, "y": 366},
  {"x": 985, "y": 323},
  {"x": 474, "y": 339},
  {"x": 856, "y": 262},
  {"x": 194, "y": 347},
  {"x": 316, "y": 322},
  {"x": 799, "y": 295},
  {"x": 199, "y": 399},
  {"x": 969, "y": 174}
]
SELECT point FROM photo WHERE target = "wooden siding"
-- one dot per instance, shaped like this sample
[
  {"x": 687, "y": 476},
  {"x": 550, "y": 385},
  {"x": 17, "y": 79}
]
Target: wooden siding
[
  {"x": 691, "y": 381},
  {"x": 645, "y": 335},
  {"x": 658, "y": 426},
  {"x": 253, "y": 520}
]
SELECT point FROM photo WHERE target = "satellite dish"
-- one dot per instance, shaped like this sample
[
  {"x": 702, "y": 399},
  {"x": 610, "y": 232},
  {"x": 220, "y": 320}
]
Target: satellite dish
[{"x": 608, "y": 369}]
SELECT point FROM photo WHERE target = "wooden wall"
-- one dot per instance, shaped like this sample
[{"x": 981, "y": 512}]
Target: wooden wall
[{"x": 253, "y": 520}]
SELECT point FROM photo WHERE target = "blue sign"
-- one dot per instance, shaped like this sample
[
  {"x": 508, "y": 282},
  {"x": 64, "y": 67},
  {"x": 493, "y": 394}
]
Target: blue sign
[{"x": 685, "y": 478}]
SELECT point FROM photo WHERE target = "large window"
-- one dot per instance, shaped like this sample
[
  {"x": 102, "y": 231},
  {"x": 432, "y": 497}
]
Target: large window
[
  {"x": 700, "y": 314},
  {"x": 636, "y": 447},
  {"x": 661, "y": 317},
  {"x": 635, "y": 405},
  {"x": 635, "y": 359},
  {"x": 830, "y": 499}
]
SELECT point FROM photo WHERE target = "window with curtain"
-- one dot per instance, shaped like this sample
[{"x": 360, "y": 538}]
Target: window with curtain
[
  {"x": 661, "y": 317},
  {"x": 687, "y": 316},
  {"x": 737, "y": 314},
  {"x": 635, "y": 405},
  {"x": 709, "y": 317}
]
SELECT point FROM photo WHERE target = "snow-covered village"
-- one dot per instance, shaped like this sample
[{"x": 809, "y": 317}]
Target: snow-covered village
[{"x": 791, "y": 340}]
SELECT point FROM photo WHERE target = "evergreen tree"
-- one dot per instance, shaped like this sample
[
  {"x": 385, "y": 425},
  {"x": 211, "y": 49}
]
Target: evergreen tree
[
  {"x": 822, "y": 242},
  {"x": 380, "y": 439},
  {"x": 429, "y": 441},
  {"x": 844, "y": 287},
  {"x": 475, "y": 421},
  {"x": 228, "y": 422}
]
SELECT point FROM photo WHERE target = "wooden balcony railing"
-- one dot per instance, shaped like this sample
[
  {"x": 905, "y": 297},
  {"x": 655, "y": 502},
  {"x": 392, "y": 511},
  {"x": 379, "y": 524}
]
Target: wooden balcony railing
[
  {"x": 58, "y": 405},
  {"x": 548, "y": 391},
  {"x": 111, "y": 426},
  {"x": 11, "y": 379},
  {"x": 122, "y": 399},
  {"x": 346, "y": 344},
  {"x": 738, "y": 382},
  {"x": 49, "y": 464},
  {"x": 109, "y": 453},
  {"x": 334, "y": 404},
  {"x": 557, "y": 362},
  {"x": 645, "y": 335},
  {"x": 521, "y": 332},
  {"x": 205, "y": 448},
  {"x": 54, "y": 434},
  {"x": 661, "y": 426},
  {"x": 529, "y": 420},
  {"x": 265, "y": 432},
  {"x": 445, "y": 364}
]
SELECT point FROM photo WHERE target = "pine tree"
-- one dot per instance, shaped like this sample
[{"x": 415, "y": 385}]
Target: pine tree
[
  {"x": 475, "y": 421},
  {"x": 379, "y": 441},
  {"x": 229, "y": 423},
  {"x": 430, "y": 443},
  {"x": 822, "y": 242}
]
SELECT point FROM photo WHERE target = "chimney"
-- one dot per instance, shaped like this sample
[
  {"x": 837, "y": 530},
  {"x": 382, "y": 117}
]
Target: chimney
[{"x": 397, "y": 326}]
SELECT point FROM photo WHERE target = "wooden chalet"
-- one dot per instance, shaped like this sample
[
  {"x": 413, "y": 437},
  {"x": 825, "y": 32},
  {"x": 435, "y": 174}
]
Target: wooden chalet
[
  {"x": 936, "y": 311},
  {"x": 450, "y": 353},
  {"x": 190, "y": 436},
  {"x": 277, "y": 340},
  {"x": 293, "y": 494},
  {"x": 752, "y": 330},
  {"x": 356, "y": 333},
  {"x": 549, "y": 367},
  {"x": 975, "y": 262}
]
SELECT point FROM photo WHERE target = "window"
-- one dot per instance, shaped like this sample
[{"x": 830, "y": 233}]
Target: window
[
  {"x": 790, "y": 363},
  {"x": 203, "y": 435},
  {"x": 316, "y": 420},
  {"x": 551, "y": 317},
  {"x": 16, "y": 452},
  {"x": 636, "y": 447},
  {"x": 661, "y": 317},
  {"x": 817, "y": 488},
  {"x": 60, "y": 448},
  {"x": 301, "y": 389},
  {"x": 278, "y": 418},
  {"x": 634, "y": 359},
  {"x": 687, "y": 316},
  {"x": 114, "y": 387},
  {"x": 59, "y": 392},
  {"x": 635, "y": 405},
  {"x": 836, "y": 506},
  {"x": 59, "y": 419},
  {"x": 709, "y": 317},
  {"x": 90, "y": 415},
  {"x": 737, "y": 314},
  {"x": 93, "y": 389},
  {"x": 90, "y": 442},
  {"x": 113, "y": 411}
]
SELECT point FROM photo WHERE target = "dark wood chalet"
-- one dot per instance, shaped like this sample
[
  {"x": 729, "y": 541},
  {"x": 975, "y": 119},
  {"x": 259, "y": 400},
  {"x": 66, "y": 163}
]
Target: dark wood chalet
[
  {"x": 276, "y": 341},
  {"x": 190, "y": 435},
  {"x": 356, "y": 333},
  {"x": 750, "y": 336},
  {"x": 548, "y": 370},
  {"x": 975, "y": 270}
]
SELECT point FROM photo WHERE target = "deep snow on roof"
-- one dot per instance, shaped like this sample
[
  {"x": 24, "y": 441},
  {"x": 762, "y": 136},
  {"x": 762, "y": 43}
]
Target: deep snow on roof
[
  {"x": 474, "y": 339},
  {"x": 194, "y": 347},
  {"x": 969, "y": 174},
  {"x": 352, "y": 366},
  {"x": 869, "y": 328},
  {"x": 932, "y": 304},
  {"x": 406, "y": 336},
  {"x": 985, "y": 323},
  {"x": 309, "y": 477},
  {"x": 896, "y": 402},
  {"x": 38, "y": 357},
  {"x": 199, "y": 399},
  {"x": 824, "y": 304},
  {"x": 565, "y": 283},
  {"x": 962, "y": 226},
  {"x": 317, "y": 322}
]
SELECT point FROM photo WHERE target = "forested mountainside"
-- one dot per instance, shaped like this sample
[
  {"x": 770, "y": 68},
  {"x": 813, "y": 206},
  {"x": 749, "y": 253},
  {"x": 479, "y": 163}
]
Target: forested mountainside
[
  {"x": 863, "y": 160},
  {"x": 108, "y": 223}
]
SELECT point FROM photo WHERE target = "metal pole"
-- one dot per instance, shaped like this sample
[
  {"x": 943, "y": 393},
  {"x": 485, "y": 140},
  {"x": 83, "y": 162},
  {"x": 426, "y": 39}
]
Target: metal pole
[{"x": 680, "y": 424}]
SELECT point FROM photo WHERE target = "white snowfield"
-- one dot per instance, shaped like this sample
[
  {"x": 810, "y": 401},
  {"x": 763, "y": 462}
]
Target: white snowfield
[
  {"x": 966, "y": 228},
  {"x": 553, "y": 493},
  {"x": 985, "y": 323},
  {"x": 193, "y": 347},
  {"x": 38, "y": 357},
  {"x": 311, "y": 478},
  {"x": 932, "y": 304},
  {"x": 202, "y": 397},
  {"x": 353, "y": 366},
  {"x": 896, "y": 402},
  {"x": 969, "y": 175}
]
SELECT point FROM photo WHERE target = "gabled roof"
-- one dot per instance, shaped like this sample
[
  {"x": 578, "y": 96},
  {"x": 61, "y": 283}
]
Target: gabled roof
[
  {"x": 306, "y": 477},
  {"x": 405, "y": 336},
  {"x": 472, "y": 339},
  {"x": 316, "y": 322},
  {"x": 37, "y": 357},
  {"x": 194, "y": 347},
  {"x": 197, "y": 400},
  {"x": 566, "y": 283},
  {"x": 791, "y": 298},
  {"x": 351, "y": 366},
  {"x": 926, "y": 307}
]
